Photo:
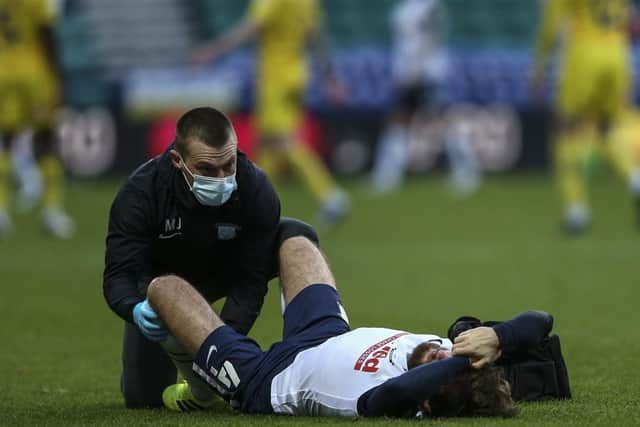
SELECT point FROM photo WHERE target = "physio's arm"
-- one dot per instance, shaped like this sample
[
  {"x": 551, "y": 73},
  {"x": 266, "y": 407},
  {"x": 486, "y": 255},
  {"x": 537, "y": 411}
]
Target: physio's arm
[
  {"x": 127, "y": 253},
  {"x": 402, "y": 395},
  {"x": 484, "y": 345}
]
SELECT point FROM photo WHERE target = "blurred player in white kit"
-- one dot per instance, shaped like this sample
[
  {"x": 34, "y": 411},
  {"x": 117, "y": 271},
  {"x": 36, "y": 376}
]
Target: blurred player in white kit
[{"x": 419, "y": 66}]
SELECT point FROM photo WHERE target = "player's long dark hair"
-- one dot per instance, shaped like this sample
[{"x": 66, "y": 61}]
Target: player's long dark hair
[{"x": 483, "y": 392}]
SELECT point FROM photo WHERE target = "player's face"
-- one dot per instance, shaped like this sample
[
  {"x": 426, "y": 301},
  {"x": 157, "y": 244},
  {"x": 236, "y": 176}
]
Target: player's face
[
  {"x": 428, "y": 352},
  {"x": 204, "y": 160},
  {"x": 436, "y": 353}
]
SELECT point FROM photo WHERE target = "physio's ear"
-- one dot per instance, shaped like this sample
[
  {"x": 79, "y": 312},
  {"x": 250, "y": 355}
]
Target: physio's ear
[{"x": 176, "y": 159}]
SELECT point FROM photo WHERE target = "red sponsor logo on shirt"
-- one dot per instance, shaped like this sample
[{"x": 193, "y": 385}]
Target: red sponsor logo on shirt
[{"x": 369, "y": 360}]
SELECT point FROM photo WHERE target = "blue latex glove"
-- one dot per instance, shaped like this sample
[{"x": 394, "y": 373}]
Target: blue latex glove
[{"x": 148, "y": 322}]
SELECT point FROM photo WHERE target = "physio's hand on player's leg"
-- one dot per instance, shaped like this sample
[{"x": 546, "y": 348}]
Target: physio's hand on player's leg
[
  {"x": 481, "y": 345},
  {"x": 149, "y": 322}
]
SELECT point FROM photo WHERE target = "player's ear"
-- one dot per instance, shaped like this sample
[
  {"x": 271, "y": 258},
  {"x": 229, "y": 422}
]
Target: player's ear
[{"x": 176, "y": 159}]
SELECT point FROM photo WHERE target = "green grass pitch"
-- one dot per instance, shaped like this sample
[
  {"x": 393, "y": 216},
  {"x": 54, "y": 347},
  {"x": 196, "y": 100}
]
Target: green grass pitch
[{"x": 413, "y": 261}]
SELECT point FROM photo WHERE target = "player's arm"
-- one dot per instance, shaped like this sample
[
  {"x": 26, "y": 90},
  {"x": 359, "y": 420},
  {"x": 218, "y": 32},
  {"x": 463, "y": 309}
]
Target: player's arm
[
  {"x": 242, "y": 33},
  {"x": 317, "y": 41},
  {"x": 320, "y": 46},
  {"x": 485, "y": 345},
  {"x": 259, "y": 13},
  {"x": 552, "y": 20},
  {"x": 127, "y": 253},
  {"x": 245, "y": 300},
  {"x": 401, "y": 396}
]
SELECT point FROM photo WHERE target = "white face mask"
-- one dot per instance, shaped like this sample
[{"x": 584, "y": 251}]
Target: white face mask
[{"x": 212, "y": 191}]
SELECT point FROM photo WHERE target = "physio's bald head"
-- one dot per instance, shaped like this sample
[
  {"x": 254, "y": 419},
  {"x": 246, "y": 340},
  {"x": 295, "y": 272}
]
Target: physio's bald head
[{"x": 206, "y": 125}]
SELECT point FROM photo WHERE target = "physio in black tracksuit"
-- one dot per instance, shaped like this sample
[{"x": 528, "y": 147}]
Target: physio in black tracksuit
[{"x": 171, "y": 217}]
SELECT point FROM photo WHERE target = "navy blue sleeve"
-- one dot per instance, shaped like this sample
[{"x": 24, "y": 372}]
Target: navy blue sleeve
[
  {"x": 400, "y": 396},
  {"x": 525, "y": 330}
]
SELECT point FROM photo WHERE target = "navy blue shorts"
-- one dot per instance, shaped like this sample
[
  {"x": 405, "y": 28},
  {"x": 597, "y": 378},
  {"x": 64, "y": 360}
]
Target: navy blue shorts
[{"x": 241, "y": 372}]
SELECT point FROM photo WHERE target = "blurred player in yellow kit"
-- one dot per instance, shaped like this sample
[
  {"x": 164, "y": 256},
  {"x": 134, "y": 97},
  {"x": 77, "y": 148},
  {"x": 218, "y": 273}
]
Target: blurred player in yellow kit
[
  {"x": 29, "y": 94},
  {"x": 594, "y": 91},
  {"x": 283, "y": 29}
]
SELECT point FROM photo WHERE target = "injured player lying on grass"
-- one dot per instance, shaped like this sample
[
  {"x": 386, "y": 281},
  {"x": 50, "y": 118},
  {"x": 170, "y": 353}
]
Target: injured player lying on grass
[{"x": 322, "y": 368}]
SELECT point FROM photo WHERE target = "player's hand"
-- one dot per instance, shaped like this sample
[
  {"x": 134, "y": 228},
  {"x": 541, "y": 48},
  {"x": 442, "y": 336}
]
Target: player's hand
[
  {"x": 149, "y": 322},
  {"x": 481, "y": 345},
  {"x": 336, "y": 91}
]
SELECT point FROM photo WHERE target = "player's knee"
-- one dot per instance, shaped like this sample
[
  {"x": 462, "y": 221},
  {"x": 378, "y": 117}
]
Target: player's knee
[
  {"x": 301, "y": 259},
  {"x": 162, "y": 286},
  {"x": 291, "y": 227},
  {"x": 296, "y": 247}
]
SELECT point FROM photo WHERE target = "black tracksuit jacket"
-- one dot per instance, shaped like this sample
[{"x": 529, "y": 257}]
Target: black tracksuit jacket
[{"x": 156, "y": 227}]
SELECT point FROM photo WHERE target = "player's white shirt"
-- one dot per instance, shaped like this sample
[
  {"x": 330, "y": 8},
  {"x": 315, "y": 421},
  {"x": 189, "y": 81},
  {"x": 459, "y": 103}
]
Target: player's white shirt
[
  {"x": 327, "y": 380},
  {"x": 417, "y": 54}
]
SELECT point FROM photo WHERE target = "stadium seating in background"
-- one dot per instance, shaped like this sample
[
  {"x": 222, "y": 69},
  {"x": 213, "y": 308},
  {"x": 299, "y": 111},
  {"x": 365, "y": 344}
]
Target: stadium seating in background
[
  {"x": 103, "y": 42},
  {"x": 486, "y": 23},
  {"x": 134, "y": 57}
]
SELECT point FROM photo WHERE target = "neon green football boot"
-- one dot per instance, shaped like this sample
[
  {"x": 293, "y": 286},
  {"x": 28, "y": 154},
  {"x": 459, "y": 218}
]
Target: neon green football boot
[{"x": 178, "y": 397}]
